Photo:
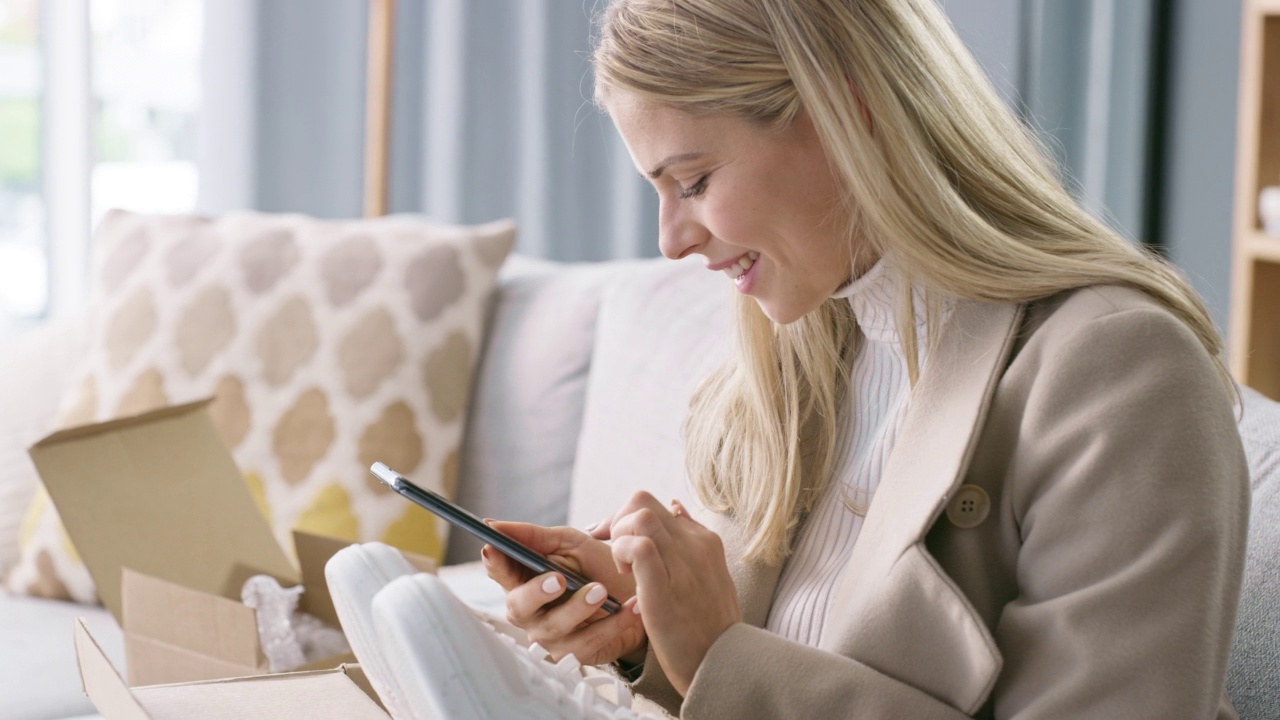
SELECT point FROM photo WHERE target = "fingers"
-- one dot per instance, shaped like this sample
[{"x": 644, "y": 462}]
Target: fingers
[
  {"x": 547, "y": 615},
  {"x": 639, "y": 555},
  {"x": 545, "y": 540},
  {"x": 600, "y": 530},
  {"x": 506, "y": 572},
  {"x": 649, "y": 520},
  {"x": 606, "y": 528},
  {"x": 549, "y": 541},
  {"x": 601, "y": 640}
]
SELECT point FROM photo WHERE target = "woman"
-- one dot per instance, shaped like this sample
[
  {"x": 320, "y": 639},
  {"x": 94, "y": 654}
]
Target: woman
[{"x": 975, "y": 454}]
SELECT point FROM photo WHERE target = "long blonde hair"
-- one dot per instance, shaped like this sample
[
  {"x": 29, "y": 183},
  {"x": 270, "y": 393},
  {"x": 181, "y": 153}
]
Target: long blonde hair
[{"x": 944, "y": 181}]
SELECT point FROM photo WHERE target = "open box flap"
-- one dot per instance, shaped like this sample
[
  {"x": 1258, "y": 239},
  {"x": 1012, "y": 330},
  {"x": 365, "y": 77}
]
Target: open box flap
[
  {"x": 104, "y": 686},
  {"x": 195, "y": 621},
  {"x": 342, "y": 692},
  {"x": 158, "y": 493}
]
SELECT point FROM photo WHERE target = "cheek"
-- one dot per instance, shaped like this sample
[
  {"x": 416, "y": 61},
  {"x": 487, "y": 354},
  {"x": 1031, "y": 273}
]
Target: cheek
[{"x": 732, "y": 222}]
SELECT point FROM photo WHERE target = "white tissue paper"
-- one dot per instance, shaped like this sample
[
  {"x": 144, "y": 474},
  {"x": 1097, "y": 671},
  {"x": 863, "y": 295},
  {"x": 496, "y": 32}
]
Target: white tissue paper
[{"x": 289, "y": 638}]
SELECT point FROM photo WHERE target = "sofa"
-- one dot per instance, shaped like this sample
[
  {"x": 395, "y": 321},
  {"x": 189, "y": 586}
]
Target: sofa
[{"x": 578, "y": 399}]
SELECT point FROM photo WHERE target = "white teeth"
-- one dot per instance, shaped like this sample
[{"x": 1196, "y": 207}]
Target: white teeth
[{"x": 744, "y": 264}]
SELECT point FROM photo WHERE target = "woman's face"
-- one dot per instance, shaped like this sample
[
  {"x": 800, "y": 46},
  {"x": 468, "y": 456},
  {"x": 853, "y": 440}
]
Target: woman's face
[{"x": 761, "y": 206}]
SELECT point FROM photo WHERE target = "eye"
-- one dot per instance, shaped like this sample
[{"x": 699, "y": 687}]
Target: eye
[{"x": 695, "y": 189}]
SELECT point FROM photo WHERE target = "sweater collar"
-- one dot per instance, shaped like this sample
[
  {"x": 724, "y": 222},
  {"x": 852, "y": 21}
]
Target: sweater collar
[{"x": 874, "y": 297}]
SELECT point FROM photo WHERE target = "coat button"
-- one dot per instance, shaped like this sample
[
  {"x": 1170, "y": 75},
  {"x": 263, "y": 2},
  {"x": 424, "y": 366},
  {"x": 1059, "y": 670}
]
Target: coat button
[{"x": 969, "y": 507}]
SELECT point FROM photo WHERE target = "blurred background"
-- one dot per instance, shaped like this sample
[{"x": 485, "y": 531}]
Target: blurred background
[{"x": 219, "y": 105}]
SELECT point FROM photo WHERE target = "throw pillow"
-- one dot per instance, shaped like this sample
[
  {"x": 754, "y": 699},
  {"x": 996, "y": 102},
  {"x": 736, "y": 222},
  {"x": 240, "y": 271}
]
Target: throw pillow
[
  {"x": 328, "y": 345},
  {"x": 34, "y": 368}
]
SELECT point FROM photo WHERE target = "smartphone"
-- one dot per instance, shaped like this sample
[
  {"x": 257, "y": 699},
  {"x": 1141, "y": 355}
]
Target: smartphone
[{"x": 464, "y": 519}]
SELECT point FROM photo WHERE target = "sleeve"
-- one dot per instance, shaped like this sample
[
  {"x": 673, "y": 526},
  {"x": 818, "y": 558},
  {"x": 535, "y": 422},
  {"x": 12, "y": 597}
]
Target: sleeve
[
  {"x": 751, "y": 672},
  {"x": 1130, "y": 489}
]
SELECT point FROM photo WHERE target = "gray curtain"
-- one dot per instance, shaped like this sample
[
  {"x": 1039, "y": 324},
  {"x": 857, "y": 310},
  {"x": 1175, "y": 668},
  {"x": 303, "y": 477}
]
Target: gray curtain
[
  {"x": 1137, "y": 99},
  {"x": 493, "y": 116},
  {"x": 1083, "y": 73}
]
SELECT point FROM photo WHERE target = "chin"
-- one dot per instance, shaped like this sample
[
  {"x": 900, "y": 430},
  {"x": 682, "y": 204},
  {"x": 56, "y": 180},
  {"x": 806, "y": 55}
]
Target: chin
[{"x": 784, "y": 313}]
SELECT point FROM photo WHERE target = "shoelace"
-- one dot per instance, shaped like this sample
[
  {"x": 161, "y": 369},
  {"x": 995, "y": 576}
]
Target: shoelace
[{"x": 564, "y": 684}]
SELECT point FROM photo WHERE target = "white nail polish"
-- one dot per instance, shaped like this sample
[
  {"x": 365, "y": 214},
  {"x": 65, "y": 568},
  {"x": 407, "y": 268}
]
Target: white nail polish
[
  {"x": 596, "y": 595},
  {"x": 551, "y": 585}
]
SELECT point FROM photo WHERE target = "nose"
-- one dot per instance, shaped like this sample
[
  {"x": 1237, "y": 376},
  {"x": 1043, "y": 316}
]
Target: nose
[{"x": 679, "y": 232}]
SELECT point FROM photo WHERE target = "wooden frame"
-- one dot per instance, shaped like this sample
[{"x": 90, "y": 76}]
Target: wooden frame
[{"x": 377, "y": 102}]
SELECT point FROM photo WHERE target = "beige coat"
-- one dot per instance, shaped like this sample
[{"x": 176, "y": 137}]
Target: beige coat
[{"x": 1102, "y": 581}]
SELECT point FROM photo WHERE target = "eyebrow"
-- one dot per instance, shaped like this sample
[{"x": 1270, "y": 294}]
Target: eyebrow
[{"x": 672, "y": 160}]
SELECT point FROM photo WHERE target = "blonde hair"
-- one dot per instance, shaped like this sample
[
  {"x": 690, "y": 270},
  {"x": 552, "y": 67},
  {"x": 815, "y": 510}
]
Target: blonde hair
[{"x": 944, "y": 181}]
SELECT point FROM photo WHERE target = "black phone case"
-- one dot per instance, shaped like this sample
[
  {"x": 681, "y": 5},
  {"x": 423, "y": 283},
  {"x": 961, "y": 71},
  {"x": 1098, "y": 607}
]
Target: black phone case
[{"x": 463, "y": 518}]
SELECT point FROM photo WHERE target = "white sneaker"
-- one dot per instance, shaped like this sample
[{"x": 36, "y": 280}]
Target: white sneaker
[
  {"x": 445, "y": 662},
  {"x": 355, "y": 574}
]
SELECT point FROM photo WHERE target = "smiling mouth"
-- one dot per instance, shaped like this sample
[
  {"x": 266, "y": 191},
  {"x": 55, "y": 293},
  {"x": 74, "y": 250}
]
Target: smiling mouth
[{"x": 736, "y": 271}]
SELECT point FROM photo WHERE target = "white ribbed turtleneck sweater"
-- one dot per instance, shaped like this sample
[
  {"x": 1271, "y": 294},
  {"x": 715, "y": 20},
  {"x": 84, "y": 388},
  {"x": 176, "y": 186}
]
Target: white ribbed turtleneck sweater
[{"x": 872, "y": 416}]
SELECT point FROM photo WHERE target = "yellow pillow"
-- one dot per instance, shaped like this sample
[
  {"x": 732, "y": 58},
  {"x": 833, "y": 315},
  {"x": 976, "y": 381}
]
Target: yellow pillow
[{"x": 328, "y": 345}]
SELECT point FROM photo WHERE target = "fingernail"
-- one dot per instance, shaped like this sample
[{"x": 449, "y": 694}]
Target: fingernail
[
  {"x": 484, "y": 552},
  {"x": 592, "y": 526},
  {"x": 551, "y": 585},
  {"x": 635, "y": 608},
  {"x": 596, "y": 595},
  {"x": 488, "y": 521}
]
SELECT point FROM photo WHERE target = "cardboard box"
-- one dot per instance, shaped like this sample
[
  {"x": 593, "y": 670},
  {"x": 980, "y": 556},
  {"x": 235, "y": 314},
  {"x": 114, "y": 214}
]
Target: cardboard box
[
  {"x": 169, "y": 530},
  {"x": 343, "y": 692}
]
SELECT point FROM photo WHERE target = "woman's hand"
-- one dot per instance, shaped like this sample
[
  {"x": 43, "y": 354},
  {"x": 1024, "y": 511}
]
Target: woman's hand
[
  {"x": 686, "y": 595},
  {"x": 575, "y": 624}
]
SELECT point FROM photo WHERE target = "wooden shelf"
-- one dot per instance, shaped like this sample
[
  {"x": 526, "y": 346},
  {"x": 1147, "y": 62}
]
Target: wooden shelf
[
  {"x": 1255, "y": 281},
  {"x": 1260, "y": 246}
]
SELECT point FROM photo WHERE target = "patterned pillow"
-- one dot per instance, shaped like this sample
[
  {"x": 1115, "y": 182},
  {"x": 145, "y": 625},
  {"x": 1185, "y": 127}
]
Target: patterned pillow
[{"x": 327, "y": 344}]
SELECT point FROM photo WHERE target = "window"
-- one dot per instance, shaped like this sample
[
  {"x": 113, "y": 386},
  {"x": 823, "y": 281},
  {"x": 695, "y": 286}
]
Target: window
[
  {"x": 146, "y": 88},
  {"x": 123, "y": 75},
  {"x": 24, "y": 263}
]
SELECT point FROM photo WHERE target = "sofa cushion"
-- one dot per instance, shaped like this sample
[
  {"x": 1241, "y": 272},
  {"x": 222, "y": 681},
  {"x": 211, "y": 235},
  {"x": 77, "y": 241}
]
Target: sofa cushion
[
  {"x": 39, "y": 677},
  {"x": 328, "y": 344},
  {"x": 1253, "y": 681},
  {"x": 663, "y": 327},
  {"x": 527, "y": 401}
]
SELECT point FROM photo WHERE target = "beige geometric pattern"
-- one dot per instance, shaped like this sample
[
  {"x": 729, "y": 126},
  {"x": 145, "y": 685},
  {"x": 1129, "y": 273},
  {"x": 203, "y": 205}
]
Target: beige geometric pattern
[{"x": 327, "y": 345}]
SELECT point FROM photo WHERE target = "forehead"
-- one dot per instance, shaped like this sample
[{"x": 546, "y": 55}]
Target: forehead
[{"x": 653, "y": 132}]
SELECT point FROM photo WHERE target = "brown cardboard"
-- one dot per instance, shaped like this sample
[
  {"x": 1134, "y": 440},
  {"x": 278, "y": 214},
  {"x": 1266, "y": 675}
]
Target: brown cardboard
[
  {"x": 342, "y": 692},
  {"x": 164, "y": 645},
  {"x": 176, "y": 634},
  {"x": 158, "y": 493},
  {"x": 170, "y": 532}
]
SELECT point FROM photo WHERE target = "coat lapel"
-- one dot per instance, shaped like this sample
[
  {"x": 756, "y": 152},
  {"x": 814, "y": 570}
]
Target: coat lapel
[
  {"x": 893, "y": 594},
  {"x": 923, "y": 611},
  {"x": 939, "y": 433}
]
